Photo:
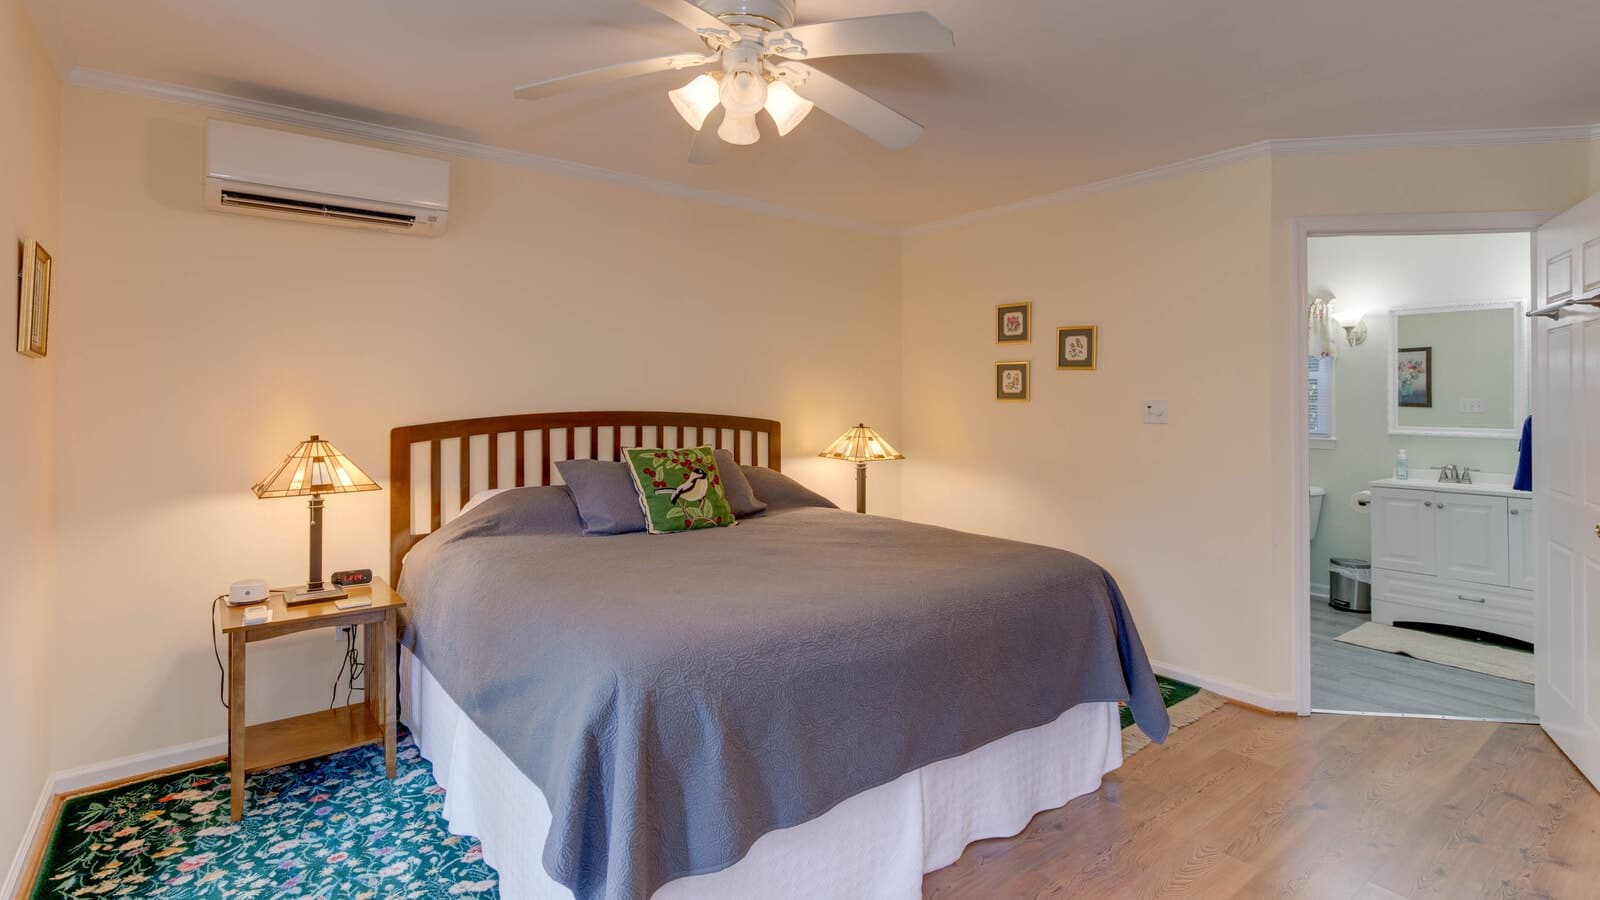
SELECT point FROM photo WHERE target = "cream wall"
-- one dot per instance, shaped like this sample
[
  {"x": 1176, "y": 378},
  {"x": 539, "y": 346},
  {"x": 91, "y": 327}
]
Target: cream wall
[
  {"x": 1191, "y": 280},
  {"x": 30, "y": 98},
  {"x": 1177, "y": 276},
  {"x": 200, "y": 346}
]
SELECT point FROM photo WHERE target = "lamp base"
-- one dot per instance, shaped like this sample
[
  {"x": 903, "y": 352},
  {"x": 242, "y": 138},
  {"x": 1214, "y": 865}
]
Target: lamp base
[{"x": 300, "y": 594}]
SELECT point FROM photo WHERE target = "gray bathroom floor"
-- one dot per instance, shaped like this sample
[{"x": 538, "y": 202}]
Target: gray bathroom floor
[{"x": 1346, "y": 677}]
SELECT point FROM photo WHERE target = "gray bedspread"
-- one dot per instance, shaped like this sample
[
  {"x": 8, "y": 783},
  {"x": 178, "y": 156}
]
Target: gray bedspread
[{"x": 677, "y": 696}]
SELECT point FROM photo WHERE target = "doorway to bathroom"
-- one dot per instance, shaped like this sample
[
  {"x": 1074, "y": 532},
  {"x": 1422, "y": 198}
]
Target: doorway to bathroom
[{"x": 1420, "y": 594}]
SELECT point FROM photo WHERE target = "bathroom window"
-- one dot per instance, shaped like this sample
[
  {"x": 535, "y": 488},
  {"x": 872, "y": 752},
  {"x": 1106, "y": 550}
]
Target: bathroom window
[{"x": 1319, "y": 398}]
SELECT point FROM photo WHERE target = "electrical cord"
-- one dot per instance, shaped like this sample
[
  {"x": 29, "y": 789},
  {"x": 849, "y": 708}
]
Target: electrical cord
[{"x": 222, "y": 675}]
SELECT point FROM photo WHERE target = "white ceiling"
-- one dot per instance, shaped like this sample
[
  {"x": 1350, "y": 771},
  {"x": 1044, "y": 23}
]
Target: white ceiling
[{"x": 1039, "y": 95}]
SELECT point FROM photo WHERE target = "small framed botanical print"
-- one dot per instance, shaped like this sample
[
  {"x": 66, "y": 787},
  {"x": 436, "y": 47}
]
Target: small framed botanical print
[
  {"x": 1415, "y": 377},
  {"x": 1013, "y": 323},
  {"x": 1078, "y": 347},
  {"x": 33, "y": 302},
  {"x": 1011, "y": 381}
]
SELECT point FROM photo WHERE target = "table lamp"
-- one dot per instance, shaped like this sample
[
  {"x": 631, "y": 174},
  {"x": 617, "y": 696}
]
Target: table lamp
[
  {"x": 312, "y": 469},
  {"x": 861, "y": 445}
]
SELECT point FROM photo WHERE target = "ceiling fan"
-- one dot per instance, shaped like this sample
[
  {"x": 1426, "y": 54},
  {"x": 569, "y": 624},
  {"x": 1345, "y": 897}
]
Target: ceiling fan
[{"x": 760, "y": 55}]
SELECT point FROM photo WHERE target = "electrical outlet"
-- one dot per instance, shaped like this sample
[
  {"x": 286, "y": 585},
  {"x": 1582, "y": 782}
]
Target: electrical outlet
[
  {"x": 1155, "y": 412},
  {"x": 1471, "y": 405}
]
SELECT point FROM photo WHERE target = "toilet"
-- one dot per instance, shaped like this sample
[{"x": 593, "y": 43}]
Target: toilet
[{"x": 1317, "y": 496}]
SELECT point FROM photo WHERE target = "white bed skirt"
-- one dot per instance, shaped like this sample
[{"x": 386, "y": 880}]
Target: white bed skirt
[{"x": 876, "y": 844}]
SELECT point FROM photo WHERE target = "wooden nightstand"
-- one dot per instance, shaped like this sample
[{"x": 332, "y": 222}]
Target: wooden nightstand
[{"x": 271, "y": 744}]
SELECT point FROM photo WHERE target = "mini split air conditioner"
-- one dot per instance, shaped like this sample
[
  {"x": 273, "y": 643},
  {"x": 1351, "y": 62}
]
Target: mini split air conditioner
[{"x": 263, "y": 172}]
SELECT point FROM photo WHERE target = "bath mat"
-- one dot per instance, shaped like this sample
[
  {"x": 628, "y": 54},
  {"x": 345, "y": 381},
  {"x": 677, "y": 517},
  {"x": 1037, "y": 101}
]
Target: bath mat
[{"x": 1488, "y": 659}]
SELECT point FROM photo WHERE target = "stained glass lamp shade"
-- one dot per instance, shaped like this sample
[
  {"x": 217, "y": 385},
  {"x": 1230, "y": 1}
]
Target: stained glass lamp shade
[
  {"x": 861, "y": 445},
  {"x": 312, "y": 469}
]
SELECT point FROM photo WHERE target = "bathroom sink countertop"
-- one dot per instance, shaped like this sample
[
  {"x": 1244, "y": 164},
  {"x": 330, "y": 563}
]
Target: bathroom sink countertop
[{"x": 1491, "y": 483}]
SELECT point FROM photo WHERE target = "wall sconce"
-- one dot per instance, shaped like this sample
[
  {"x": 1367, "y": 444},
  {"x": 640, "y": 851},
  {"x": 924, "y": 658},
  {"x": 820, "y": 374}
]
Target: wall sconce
[{"x": 1355, "y": 327}]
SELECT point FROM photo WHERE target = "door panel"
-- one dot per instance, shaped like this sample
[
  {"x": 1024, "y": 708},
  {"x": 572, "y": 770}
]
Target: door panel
[
  {"x": 1472, "y": 538},
  {"x": 1404, "y": 531},
  {"x": 1566, "y": 481}
]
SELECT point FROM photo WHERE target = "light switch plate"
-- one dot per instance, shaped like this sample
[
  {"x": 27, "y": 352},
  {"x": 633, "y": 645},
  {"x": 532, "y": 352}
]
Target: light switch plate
[
  {"x": 1472, "y": 405},
  {"x": 1155, "y": 412}
]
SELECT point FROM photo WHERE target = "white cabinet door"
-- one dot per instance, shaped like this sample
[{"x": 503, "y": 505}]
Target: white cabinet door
[
  {"x": 1472, "y": 538},
  {"x": 1566, "y": 485},
  {"x": 1404, "y": 531},
  {"x": 1519, "y": 524}
]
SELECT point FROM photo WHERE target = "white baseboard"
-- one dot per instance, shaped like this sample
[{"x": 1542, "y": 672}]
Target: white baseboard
[
  {"x": 68, "y": 781},
  {"x": 9, "y": 887},
  {"x": 1319, "y": 592},
  {"x": 1230, "y": 690}
]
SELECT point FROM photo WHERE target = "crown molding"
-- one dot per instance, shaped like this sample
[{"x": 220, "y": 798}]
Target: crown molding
[
  {"x": 112, "y": 82},
  {"x": 288, "y": 115},
  {"x": 1195, "y": 164},
  {"x": 1431, "y": 140}
]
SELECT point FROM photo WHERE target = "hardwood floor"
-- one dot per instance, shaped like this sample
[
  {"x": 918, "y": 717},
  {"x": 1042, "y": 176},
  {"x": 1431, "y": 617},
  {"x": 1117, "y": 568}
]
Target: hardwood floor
[
  {"x": 1347, "y": 677},
  {"x": 1242, "y": 804}
]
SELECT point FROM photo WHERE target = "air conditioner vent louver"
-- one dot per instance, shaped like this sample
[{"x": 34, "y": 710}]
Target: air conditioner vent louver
[{"x": 324, "y": 210}]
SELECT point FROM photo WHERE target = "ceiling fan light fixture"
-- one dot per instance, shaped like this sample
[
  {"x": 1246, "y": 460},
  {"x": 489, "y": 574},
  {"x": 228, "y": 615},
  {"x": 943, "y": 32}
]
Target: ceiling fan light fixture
[
  {"x": 744, "y": 93},
  {"x": 695, "y": 100},
  {"x": 788, "y": 109},
  {"x": 739, "y": 129}
]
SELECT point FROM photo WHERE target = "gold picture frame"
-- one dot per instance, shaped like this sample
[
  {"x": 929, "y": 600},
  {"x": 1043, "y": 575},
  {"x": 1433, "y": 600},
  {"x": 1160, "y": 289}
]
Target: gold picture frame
[
  {"x": 1007, "y": 316},
  {"x": 1012, "y": 389},
  {"x": 33, "y": 300},
  {"x": 1078, "y": 348}
]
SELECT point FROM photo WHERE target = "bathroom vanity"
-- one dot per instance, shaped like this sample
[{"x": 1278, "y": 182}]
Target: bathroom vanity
[{"x": 1453, "y": 554}]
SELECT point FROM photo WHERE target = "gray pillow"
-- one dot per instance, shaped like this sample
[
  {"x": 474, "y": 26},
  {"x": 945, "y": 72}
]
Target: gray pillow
[
  {"x": 782, "y": 492},
  {"x": 741, "y": 496},
  {"x": 603, "y": 490}
]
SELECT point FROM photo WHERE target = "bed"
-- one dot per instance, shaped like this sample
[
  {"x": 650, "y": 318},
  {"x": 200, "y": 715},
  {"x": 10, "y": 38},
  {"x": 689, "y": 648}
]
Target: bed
[{"x": 809, "y": 704}]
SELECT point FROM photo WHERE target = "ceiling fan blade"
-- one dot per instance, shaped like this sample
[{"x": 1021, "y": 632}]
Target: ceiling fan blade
[
  {"x": 607, "y": 74},
  {"x": 856, "y": 109},
  {"x": 708, "y": 149},
  {"x": 687, "y": 14},
  {"x": 916, "y": 32}
]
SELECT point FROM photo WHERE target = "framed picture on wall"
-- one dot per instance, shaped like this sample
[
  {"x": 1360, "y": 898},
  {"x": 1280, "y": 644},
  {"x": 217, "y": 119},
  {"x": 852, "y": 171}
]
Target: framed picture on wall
[
  {"x": 1011, "y": 381},
  {"x": 1013, "y": 323},
  {"x": 1078, "y": 347},
  {"x": 33, "y": 301},
  {"x": 1415, "y": 377}
]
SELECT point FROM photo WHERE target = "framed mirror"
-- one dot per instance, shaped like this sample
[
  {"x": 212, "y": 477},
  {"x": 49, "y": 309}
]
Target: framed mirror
[{"x": 1458, "y": 371}]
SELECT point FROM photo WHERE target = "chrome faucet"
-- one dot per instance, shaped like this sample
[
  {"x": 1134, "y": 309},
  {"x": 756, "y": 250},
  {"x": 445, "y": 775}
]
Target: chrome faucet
[
  {"x": 1466, "y": 476},
  {"x": 1449, "y": 475}
]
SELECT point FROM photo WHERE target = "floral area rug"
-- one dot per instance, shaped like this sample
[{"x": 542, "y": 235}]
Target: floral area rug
[{"x": 327, "y": 828}]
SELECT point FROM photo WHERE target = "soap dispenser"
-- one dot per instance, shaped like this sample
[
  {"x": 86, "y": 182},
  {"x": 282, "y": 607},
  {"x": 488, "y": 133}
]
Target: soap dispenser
[{"x": 1402, "y": 467}]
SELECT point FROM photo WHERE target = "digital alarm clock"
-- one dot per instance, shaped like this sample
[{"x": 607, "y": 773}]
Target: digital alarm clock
[{"x": 352, "y": 577}]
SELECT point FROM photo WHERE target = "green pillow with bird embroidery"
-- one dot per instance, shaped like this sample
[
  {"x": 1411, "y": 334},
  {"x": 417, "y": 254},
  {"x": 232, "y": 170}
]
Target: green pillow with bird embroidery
[{"x": 679, "y": 490}]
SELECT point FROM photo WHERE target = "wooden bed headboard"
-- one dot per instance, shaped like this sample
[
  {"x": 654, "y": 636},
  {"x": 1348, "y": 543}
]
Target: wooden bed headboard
[{"x": 519, "y": 451}]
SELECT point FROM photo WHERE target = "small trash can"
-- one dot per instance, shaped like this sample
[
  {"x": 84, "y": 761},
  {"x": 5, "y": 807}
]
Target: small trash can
[{"x": 1350, "y": 584}]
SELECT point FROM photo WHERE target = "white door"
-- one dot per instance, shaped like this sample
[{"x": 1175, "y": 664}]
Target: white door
[
  {"x": 1472, "y": 538},
  {"x": 1519, "y": 522},
  {"x": 1566, "y": 483},
  {"x": 1404, "y": 531}
]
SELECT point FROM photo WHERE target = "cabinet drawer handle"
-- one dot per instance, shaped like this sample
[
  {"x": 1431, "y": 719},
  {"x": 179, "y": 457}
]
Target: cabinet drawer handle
[
  {"x": 1471, "y": 599},
  {"x": 1428, "y": 503},
  {"x": 1441, "y": 506},
  {"x": 1516, "y": 512}
]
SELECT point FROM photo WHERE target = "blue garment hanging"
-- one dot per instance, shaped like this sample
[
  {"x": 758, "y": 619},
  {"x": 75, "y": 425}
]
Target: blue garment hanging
[{"x": 1524, "y": 480}]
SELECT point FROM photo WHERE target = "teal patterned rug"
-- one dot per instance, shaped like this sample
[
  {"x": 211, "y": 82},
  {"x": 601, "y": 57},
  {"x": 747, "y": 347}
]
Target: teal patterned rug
[{"x": 328, "y": 828}]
